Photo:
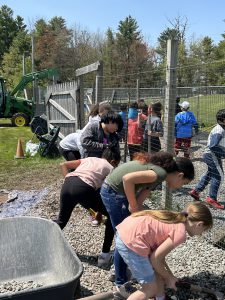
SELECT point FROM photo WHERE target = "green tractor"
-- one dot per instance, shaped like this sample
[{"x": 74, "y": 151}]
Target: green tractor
[{"x": 18, "y": 109}]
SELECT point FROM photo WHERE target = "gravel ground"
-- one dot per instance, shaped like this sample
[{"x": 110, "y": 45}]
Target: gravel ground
[{"x": 198, "y": 260}]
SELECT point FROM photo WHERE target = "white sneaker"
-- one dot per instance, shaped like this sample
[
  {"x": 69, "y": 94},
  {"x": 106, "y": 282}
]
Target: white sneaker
[
  {"x": 112, "y": 275},
  {"x": 94, "y": 223},
  {"x": 124, "y": 291},
  {"x": 105, "y": 262}
]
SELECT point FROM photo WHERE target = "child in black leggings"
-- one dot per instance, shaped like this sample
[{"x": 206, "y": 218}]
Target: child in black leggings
[{"x": 82, "y": 186}]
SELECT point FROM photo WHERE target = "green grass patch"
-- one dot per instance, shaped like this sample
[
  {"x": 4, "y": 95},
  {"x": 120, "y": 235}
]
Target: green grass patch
[
  {"x": 28, "y": 173},
  {"x": 5, "y": 121},
  {"x": 206, "y": 107}
]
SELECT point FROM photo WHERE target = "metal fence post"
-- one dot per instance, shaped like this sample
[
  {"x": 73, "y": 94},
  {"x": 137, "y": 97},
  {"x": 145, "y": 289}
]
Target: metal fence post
[{"x": 170, "y": 100}]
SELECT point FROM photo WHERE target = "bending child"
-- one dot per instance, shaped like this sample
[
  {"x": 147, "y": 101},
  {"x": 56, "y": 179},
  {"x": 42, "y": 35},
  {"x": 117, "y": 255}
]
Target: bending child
[
  {"x": 154, "y": 234},
  {"x": 70, "y": 146},
  {"x": 125, "y": 188},
  {"x": 101, "y": 135},
  {"x": 82, "y": 186}
]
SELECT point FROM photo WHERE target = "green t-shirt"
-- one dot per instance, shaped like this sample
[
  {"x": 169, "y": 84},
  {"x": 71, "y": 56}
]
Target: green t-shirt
[{"x": 115, "y": 178}]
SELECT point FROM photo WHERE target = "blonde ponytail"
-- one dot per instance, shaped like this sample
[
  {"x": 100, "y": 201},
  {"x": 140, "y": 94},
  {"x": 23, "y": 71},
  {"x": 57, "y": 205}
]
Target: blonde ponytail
[
  {"x": 195, "y": 212},
  {"x": 165, "y": 216}
]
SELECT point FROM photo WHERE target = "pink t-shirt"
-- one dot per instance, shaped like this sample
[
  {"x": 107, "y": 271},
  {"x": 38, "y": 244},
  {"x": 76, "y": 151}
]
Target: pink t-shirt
[
  {"x": 145, "y": 234},
  {"x": 93, "y": 171}
]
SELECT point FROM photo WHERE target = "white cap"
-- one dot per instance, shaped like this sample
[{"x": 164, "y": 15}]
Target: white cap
[{"x": 185, "y": 105}]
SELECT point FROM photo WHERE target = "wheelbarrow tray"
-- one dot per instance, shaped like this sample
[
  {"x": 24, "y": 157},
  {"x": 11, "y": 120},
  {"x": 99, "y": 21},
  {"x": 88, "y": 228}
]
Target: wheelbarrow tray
[{"x": 34, "y": 249}]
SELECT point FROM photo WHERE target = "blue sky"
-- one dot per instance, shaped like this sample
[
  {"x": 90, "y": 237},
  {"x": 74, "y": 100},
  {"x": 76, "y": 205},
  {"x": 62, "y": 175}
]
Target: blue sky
[{"x": 205, "y": 17}]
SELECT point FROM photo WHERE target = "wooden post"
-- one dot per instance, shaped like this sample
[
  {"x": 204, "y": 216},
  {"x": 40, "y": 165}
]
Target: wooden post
[
  {"x": 126, "y": 133},
  {"x": 170, "y": 101},
  {"x": 137, "y": 90},
  {"x": 80, "y": 102},
  {"x": 99, "y": 83}
]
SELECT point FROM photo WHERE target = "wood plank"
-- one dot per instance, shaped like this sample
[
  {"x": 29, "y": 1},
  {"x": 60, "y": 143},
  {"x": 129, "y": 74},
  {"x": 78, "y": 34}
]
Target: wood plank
[
  {"x": 88, "y": 69},
  {"x": 61, "y": 109}
]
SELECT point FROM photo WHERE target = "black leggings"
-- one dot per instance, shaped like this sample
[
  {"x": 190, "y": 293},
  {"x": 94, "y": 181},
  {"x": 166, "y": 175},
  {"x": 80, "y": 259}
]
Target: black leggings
[
  {"x": 75, "y": 191},
  {"x": 69, "y": 154}
]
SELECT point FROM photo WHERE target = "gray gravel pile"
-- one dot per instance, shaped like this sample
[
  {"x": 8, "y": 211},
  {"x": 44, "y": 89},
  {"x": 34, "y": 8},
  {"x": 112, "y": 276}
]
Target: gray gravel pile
[{"x": 14, "y": 286}]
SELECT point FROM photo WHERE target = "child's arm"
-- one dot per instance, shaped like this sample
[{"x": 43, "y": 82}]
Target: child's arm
[
  {"x": 214, "y": 145},
  {"x": 69, "y": 165},
  {"x": 142, "y": 196},
  {"x": 89, "y": 138},
  {"x": 159, "y": 264},
  {"x": 129, "y": 182}
]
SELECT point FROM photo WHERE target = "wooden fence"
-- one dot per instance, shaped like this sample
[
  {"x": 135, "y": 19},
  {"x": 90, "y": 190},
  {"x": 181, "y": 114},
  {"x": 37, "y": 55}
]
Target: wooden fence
[{"x": 64, "y": 107}]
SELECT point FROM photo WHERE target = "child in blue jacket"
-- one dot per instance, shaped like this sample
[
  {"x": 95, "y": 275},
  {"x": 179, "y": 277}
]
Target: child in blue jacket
[{"x": 184, "y": 123}]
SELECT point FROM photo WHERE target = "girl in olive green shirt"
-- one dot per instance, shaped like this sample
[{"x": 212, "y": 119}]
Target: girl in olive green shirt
[{"x": 126, "y": 187}]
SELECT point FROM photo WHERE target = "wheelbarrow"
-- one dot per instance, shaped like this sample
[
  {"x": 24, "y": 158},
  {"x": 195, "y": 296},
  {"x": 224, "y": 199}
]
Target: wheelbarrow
[{"x": 34, "y": 249}]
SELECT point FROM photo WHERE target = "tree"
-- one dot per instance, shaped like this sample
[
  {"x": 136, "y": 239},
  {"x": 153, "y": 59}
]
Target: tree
[
  {"x": 51, "y": 43},
  {"x": 127, "y": 36},
  {"x": 168, "y": 34},
  {"x": 9, "y": 28},
  {"x": 132, "y": 53},
  {"x": 202, "y": 70},
  {"x": 110, "y": 56},
  {"x": 177, "y": 31},
  {"x": 12, "y": 60}
]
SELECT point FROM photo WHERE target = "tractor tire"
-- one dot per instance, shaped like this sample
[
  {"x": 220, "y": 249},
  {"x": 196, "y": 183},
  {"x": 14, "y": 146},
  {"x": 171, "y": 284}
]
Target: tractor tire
[{"x": 20, "y": 120}]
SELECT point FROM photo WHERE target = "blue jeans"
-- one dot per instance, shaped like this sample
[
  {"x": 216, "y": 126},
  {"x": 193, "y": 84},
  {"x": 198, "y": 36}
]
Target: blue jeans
[
  {"x": 117, "y": 207},
  {"x": 213, "y": 175},
  {"x": 140, "y": 266}
]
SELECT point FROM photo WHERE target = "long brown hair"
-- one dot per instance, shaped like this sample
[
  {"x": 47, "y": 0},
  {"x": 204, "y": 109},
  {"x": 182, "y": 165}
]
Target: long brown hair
[
  {"x": 195, "y": 212},
  {"x": 168, "y": 162}
]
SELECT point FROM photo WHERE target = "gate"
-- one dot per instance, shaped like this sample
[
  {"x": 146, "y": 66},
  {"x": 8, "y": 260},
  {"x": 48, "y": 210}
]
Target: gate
[{"x": 64, "y": 107}]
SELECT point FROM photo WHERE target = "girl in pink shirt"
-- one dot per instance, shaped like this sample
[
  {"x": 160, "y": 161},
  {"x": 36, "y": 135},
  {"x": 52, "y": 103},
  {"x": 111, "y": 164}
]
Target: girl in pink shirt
[
  {"x": 82, "y": 186},
  {"x": 146, "y": 237}
]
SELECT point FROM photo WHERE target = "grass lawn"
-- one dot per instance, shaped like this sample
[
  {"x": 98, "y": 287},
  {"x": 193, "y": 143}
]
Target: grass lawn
[
  {"x": 206, "y": 107},
  {"x": 24, "y": 174}
]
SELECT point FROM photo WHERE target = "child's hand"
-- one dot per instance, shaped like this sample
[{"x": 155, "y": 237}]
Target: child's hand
[
  {"x": 171, "y": 282},
  {"x": 133, "y": 209}
]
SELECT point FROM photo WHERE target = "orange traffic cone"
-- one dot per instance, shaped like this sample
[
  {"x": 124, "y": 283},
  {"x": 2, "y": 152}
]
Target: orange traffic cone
[{"x": 19, "y": 150}]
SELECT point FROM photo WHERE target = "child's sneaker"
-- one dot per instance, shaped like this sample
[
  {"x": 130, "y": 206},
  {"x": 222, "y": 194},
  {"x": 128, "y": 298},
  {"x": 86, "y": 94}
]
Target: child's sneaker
[
  {"x": 94, "y": 222},
  {"x": 214, "y": 203},
  {"x": 194, "y": 194},
  {"x": 124, "y": 291},
  {"x": 105, "y": 262}
]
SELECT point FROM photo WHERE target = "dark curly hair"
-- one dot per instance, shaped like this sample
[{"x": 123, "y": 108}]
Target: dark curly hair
[
  {"x": 168, "y": 162},
  {"x": 220, "y": 116}
]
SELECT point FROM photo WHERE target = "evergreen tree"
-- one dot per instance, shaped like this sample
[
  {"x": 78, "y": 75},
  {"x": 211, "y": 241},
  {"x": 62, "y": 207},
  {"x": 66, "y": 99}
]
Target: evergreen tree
[
  {"x": 9, "y": 28},
  {"x": 12, "y": 63}
]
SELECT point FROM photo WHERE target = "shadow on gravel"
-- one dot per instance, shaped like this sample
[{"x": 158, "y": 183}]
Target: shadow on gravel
[
  {"x": 90, "y": 259},
  {"x": 204, "y": 280},
  {"x": 197, "y": 159},
  {"x": 220, "y": 217},
  {"x": 83, "y": 292}
]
